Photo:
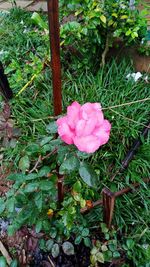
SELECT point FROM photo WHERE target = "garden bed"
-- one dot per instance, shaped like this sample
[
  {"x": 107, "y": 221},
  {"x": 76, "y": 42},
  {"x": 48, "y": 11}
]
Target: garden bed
[{"x": 30, "y": 155}]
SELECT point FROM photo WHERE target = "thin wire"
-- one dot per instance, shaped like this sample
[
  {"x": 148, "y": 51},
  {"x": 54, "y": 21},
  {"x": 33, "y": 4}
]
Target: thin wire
[
  {"x": 131, "y": 120},
  {"x": 128, "y": 103}
]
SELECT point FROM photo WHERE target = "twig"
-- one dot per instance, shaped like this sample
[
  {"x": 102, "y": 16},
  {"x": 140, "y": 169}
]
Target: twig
[
  {"x": 53, "y": 265},
  {"x": 46, "y": 118},
  {"x": 130, "y": 120},
  {"x": 36, "y": 164},
  {"x": 27, "y": 84},
  {"x": 40, "y": 159},
  {"x": 5, "y": 253},
  {"x": 128, "y": 103}
]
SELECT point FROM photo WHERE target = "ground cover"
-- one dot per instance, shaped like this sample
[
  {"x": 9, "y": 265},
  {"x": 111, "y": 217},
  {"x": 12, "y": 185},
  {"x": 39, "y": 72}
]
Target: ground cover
[{"x": 25, "y": 55}]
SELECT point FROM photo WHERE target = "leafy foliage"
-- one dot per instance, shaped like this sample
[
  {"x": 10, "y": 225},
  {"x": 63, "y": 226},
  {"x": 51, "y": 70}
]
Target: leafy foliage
[{"x": 95, "y": 24}]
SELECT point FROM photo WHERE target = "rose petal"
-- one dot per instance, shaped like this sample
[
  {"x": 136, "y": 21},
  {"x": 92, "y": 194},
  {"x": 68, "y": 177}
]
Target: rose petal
[
  {"x": 73, "y": 114},
  {"x": 87, "y": 110},
  {"x": 88, "y": 144},
  {"x": 64, "y": 131}
]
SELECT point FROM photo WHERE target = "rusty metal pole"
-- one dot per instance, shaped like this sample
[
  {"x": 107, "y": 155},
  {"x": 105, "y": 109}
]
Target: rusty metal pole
[
  {"x": 108, "y": 206},
  {"x": 53, "y": 19}
]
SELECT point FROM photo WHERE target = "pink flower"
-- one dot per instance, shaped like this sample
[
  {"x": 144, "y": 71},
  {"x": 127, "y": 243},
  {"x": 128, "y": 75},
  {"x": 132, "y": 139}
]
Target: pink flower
[{"x": 84, "y": 126}]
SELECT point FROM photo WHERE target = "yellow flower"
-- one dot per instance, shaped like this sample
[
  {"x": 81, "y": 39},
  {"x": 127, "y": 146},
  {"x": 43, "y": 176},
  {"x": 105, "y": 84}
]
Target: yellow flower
[{"x": 50, "y": 213}]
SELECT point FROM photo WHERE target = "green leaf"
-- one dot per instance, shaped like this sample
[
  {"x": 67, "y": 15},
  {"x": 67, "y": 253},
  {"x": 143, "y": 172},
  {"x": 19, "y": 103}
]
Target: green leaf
[
  {"x": 44, "y": 171},
  {"x": 39, "y": 200},
  {"x": 46, "y": 140},
  {"x": 49, "y": 244},
  {"x": 38, "y": 226},
  {"x": 39, "y": 21},
  {"x": 70, "y": 164},
  {"x": 10, "y": 204},
  {"x": 124, "y": 17},
  {"x": 87, "y": 242},
  {"x": 14, "y": 263},
  {"x": 116, "y": 254},
  {"x": 55, "y": 250},
  {"x": 77, "y": 187},
  {"x": 31, "y": 187},
  {"x": 46, "y": 185},
  {"x": 2, "y": 205},
  {"x": 88, "y": 175},
  {"x": 130, "y": 243},
  {"x": 11, "y": 230},
  {"x": 85, "y": 232},
  {"x": 42, "y": 244},
  {"x": 32, "y": 149},
  {"x": 24, "y": 164},
  {"x": 68, "y": 248},
  {"x": 17, "y": 177},
  {"x": 104, "y": 248},
  {"x": 128, "y": 32},
  {"x": 103, "y": 19},
  {"x": 30, "y": 176},
  {"x": 104, "y": 228},
  {"x": 3, "y": 262},
  {"x": 100, "y": 257},
  {"x": 52, "y": 127},
  {"x": 78, "y": 240},
  {"x": 53, "y": 232}
]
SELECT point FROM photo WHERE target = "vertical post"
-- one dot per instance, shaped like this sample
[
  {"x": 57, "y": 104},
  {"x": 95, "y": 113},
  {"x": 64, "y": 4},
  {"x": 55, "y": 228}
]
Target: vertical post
[
  {"x": 108, "y": 206},
  {"x": 53, "y": 18}
]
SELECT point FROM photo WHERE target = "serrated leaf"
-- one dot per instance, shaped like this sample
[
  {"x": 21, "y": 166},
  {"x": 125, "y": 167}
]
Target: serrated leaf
[
  {"x": 103, "y": 19},
  {"x": 52, "y": 127},
  {"x": 16, "y": 177},
  {"x": 46, "y": 185},
  {"x": 100, "y": 257},
  {"x": 70, "y": 164},
  {"x": 46, "y": 140},
  {"x": 88, "y": 175},
  {"x": 55, "y": 250},
  {"x": 2, "y": 205},
  {"x": 31, "y": 187},
  {"x": 104, "y": 248},
  {"x": 24, "y": 164},
  {"x": 68, "y": 248},
  {"x": 44, "y": 171}
]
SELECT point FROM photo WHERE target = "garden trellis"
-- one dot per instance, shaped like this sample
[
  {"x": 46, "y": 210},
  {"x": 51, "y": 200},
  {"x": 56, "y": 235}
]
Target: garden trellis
[{"x": 108, "y": 197}]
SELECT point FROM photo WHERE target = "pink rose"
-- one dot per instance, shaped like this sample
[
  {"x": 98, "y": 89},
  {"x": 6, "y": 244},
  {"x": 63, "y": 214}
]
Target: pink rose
[{"x": 84, "y": 126}]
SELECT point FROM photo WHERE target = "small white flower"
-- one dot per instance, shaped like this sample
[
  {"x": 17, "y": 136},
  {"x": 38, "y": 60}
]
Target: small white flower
[{"x": 135, "y": 76}]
